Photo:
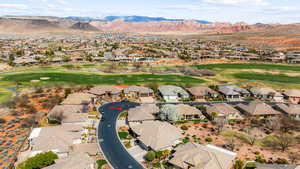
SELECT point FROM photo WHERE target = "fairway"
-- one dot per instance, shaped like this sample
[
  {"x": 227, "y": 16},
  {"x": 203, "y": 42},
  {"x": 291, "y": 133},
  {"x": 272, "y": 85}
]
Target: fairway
[
  {"x": 249, "y": 66},
  {"x": 4, "y": 95},
  {"x": 267, "y": 77},
  {"x": 85, "y": 78}
]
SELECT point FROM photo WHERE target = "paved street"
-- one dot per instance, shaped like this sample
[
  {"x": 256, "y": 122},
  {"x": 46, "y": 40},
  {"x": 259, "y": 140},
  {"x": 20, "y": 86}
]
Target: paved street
[{"x": 109, "y": 142}]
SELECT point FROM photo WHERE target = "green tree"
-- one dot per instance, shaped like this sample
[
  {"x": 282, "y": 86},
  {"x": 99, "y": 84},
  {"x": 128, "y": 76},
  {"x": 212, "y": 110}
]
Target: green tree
[
  {"x": 150, "y": 156},
  {"x": 101, "y": 54},
  {"x": 66, "y": 59},
  {"x": 89, "y": 58},
  {"x": 39, "y": 161},
  {"x": 214, "y": 115},
  {"x": 2, "y": 120}
]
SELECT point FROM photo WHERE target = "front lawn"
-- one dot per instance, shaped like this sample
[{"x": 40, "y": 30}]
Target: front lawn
[{"x": 123, "y": 135}]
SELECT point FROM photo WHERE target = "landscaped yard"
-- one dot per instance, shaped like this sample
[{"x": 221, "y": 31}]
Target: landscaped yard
[{"x": 88, "y": 78}]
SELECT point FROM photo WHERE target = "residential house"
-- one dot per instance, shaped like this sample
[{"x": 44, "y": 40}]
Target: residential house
[
  {"x": 58, "y": 139},
  {"x": 258, "y": 109},
  {"x": 223, "y": 110},
  {"x": 24, "y": 60},
  {"x": 290, "y": 109},
  {"x": 145, "y": 112},
  {"x": 277, "y": 57},
  {"x": 79, "y": 98},
  {"x": 137, "y": 92},
  {"x": 196, "y": 156},
  {"x": 181, "y": 112},
  {"x": 157, "y": 135},
  {"x": 74, "y": 161},
  {"x": 276, "y": 166},
  {"x": 90, "y": 148},
  {"x": 106, "y": 91},
  {"x": 292, "y": 95},
  {"x": 266, "y": 94},
  {"x": 202, "y": 92},
  {"x": 232, "y": 92},
  {"x": 172, "y": 93},
  {"x": 70, "y": 114}
]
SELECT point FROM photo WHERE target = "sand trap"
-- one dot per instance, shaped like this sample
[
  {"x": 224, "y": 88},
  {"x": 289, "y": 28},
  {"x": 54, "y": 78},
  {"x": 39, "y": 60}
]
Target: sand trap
[
  {"x": 44, "y": 78},
  {"x": 35, "y": 81}
]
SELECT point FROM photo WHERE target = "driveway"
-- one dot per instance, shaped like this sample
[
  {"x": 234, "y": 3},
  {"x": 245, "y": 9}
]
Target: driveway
[{"x": 112, "y": 148}]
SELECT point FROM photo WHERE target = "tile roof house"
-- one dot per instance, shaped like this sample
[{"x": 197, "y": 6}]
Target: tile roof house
[
  {"x": 258, "y": 109},
  {"x": 202, "y": 92},
  {"x": 276, "y": 166},
  {"x": 138, "y": 91},
  {"x": 292, "y": 95},
  {"x": 74, "y": 161},
  {"x": 224, "y": 110},
  {"x": 90, "y": 148},
  {"x": 232, "y": 92},
  {"x": 157, "y": 135},
  {"x": 173, "y": 93},
  {"x": 266, "y": 93},
  {"x": 145, "y": 112},
  {"x": 106, "y": 90},
  {"x": 181, "y": 111},
  {"x": 196, "y": 156},
  {"x": 79, "y": 98},
  {"x": 75, "y": 114},
  {"x": 58, "y": 139},
  {"x": 290, "y": 109}
]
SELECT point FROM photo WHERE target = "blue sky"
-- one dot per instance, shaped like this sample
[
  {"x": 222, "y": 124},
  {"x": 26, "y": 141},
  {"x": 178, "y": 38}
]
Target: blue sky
[{"x": 250, "y": 11}]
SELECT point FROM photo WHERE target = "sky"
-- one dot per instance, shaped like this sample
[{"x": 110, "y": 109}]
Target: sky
[{"x": 250, "y": 11}]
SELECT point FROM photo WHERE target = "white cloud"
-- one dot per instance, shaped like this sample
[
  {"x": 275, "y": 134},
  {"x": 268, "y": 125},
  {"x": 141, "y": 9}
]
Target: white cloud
[
  {"x": 18, "y": 6},
  {"x": 190, "y": 7},
  {"x": 62, "y": 2},
  {"x": 238, "y": 2},
  {"x": 39, "y": 0}
]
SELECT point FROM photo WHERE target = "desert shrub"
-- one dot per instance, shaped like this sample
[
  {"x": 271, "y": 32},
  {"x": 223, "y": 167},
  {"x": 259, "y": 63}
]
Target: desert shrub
[
  {"x": 39, "y": 161},
  {"x": 185, "y": 140},
  {"x": 184, "y": 128},
  {"x": 123, "y": 135},
  {"x": 208, "y": 139},
  {"x": 150, "y": 156},
  {"x": 281, "y": 161},
  {"x": 101, "y": 163},
  {"x": 156, "y": 165},
  {"x": 239, "y": 164},
  {"x": 2, "y": 120},
  {"x": 260, "y": 159}
]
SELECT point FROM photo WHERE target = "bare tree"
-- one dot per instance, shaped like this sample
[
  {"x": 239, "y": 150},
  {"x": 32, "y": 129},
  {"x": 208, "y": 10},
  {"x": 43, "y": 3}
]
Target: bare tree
[
  {"x": 220, "y": 124},
  {"x": 282, "y": 142},
  {"x": 231, "y": 143},
  {"x": 57, "y": 115},
  {"x": 294, "y": 157},
  {"x": 273, "y": 123},
  {"x": 252, "y": 135},
  {"x": 288, "y": 123}
]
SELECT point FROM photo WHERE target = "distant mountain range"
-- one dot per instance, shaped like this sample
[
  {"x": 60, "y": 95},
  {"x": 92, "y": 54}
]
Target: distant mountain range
[
  {"x": 133, "y": 24},
  {"x": 132, "y": 19},
  {"x": 148, "y": 19}
]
